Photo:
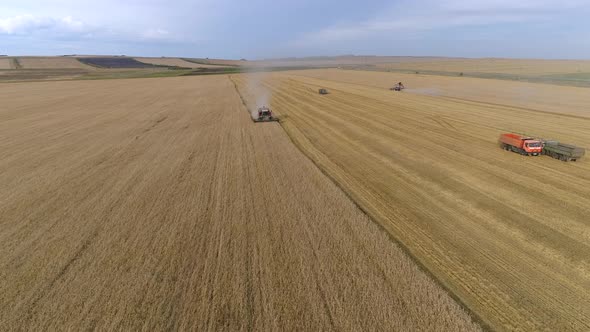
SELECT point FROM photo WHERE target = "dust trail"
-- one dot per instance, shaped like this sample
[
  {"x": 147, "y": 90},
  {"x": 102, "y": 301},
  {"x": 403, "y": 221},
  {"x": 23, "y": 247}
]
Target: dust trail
[
  {"x": 425, "y": 91},
  {"x": 256, "y": 88}
]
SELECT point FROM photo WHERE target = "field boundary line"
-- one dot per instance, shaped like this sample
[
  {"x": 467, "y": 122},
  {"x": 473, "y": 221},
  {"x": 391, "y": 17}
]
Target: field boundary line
[
  {"x": 474, "y": 316},
  {"x": 16, "y": 63},
  {"x": 239, "y": 93}
]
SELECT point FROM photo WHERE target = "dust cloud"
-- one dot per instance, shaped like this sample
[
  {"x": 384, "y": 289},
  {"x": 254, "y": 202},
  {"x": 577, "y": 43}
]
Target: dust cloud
[{"x": 425, "y": 91}]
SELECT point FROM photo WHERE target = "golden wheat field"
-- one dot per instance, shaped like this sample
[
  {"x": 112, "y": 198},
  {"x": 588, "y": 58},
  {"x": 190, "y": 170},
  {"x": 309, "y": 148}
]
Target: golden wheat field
[
  {"x": 507, "y": 234},
  {"x": 51, "y": 63},
  {"x": 157, "y": 204}
]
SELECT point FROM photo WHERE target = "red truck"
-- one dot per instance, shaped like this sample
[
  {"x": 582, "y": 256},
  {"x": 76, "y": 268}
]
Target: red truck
[{"x": 524, "y": 145}]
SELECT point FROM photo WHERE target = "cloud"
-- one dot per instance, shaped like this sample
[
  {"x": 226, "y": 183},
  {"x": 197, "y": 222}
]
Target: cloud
[
  {"x": 232, "y": 28},
  {"x": 69, "y": 28},
  {"x": 30, "y": 24},
  {"x": 412, "y": 18},
  {"x": 156, "y": 34},
  {"x": 491, "y": 6}
]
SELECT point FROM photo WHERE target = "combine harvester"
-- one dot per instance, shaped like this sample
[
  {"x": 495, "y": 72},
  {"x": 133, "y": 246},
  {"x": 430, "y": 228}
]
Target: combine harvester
[
  {"x": 264, "y": 114},
  {"x": 529, "y": 146},
  {"x": 398, "y": 87}
]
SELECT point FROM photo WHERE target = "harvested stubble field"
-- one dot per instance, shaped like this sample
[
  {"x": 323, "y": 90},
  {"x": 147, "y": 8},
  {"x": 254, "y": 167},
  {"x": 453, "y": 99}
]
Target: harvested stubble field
[
  {"x": 6, "y": 63},
  {"x": 42, "y": 74},
  {"x": 558, "y": 72},
  {"x": 176, "y": 62},
  {"x": 219, "y": 62},
  {"x": 493, "y": 65},
  {"x": 325, "y": 61},
  {"x": 157, "y": 204},
  {"x": 507, "y": 234},
  {"x": 539, "y": 97},
  {"x": 51, "y": 63}
]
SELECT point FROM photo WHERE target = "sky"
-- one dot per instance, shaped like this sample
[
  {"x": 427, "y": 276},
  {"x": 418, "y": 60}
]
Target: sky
[{"x": 259, "y": 29}]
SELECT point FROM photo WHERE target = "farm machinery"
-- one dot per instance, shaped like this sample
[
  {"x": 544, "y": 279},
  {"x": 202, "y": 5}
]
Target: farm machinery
[
  {"x": 563, "y": 152},
  {"x": 524, "y": 145},
  {"x": 323, "y": 91},
  {"x": 398, "y": 87},
  {"x": 264, "y": 114},
  {"x": 529, "y": 146}
]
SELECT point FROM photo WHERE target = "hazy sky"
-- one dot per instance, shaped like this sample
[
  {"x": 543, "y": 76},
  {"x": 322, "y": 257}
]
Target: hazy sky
[{"x": 258, "y": 29}]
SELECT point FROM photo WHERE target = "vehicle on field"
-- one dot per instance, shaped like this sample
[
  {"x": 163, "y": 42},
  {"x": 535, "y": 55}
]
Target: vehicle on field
[
  {"x": 526, "y": 146},
  {"x": 264, "y": 114},
  {"x": 323, "y": 91},
  {"x": 398, "y": 87},
  {"x": 563, "y": 152}
]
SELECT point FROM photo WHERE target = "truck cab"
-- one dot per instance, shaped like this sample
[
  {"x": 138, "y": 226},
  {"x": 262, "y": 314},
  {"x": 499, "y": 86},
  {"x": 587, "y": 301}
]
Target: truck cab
[
  {"x": 533, "y": 147},
  {"x": 524, "y": 145}
]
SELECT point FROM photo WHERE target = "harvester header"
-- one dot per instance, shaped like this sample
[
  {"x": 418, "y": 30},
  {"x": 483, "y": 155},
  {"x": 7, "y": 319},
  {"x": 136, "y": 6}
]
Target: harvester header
[{"x": 264, "y": 114}]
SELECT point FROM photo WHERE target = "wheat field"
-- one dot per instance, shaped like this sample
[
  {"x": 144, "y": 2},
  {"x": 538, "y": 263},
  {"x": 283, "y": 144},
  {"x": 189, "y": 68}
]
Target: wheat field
[
  {"x": 157, "y": 204},
  {"x": 507, "y": 234},
  {"x": 533, "y": 96},
  {"x": 493, "y": 65}
]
